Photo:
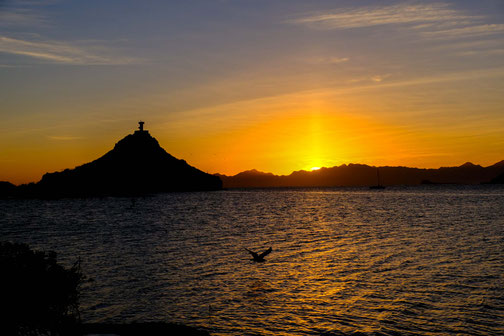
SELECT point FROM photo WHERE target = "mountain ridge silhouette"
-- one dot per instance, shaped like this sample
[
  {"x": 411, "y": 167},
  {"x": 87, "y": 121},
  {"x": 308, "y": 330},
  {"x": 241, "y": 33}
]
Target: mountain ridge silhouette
[
  {"x": 139, "y": 165},
  {"x": 358, "y": 175}
]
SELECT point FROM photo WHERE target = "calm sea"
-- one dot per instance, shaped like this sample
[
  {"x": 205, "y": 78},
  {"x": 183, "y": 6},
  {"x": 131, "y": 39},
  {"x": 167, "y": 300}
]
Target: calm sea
[{"x": 402, "y": 261}]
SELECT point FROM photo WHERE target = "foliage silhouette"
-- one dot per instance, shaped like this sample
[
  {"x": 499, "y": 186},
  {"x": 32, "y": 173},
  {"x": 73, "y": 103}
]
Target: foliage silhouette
[{"x": 39, "y": 296}]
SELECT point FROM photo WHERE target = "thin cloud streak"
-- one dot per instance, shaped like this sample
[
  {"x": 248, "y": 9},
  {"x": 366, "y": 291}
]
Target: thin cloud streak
[
  {"x": 375, "y": 16},
  {"x": 449, "y": 77},
  {"x": 429, "y": 21},
  {"x": 380, "y": 78},
  {"x": 64, "y": 138},
  {"x": 327, "y": 60},
  {"x": 22, "y": 17},
  {"x": 470, "y": 31},
  {"x": 471, "y": 45},
  {"x": 61, "y": 52},
  {"x": 489, "y": 52},
  {"x": 480, "y": 47},
  {"x": 335, "y": 90}
]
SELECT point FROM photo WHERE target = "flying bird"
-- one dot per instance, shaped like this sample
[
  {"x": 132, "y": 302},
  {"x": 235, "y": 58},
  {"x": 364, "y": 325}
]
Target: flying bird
[{"x": 259, "y": 257}]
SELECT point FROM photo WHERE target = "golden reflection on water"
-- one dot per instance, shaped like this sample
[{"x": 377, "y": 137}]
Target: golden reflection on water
[{"x": 402, "y": 261}]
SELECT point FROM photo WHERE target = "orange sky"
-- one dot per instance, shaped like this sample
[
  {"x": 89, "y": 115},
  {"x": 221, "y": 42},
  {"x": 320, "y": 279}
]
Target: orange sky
[{"x": 273, "y": 86}]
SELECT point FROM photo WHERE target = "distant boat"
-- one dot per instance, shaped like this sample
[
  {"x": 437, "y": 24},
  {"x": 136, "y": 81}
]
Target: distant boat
[{"x": 378, "y": 185}]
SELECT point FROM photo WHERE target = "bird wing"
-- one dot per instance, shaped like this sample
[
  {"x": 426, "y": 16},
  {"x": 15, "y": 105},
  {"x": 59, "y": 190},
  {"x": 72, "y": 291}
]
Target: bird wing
[
  {"x": 255, "y": 255},
  {"x": 265, "y": 253}
]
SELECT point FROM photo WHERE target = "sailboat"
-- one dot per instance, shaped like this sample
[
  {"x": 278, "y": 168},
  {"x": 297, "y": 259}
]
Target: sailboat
[{"x": 378, "y": 185}]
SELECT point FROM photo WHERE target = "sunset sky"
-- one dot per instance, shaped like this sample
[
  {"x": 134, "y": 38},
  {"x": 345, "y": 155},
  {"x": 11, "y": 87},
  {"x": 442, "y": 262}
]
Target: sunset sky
[{"x": 234, "y": 85}]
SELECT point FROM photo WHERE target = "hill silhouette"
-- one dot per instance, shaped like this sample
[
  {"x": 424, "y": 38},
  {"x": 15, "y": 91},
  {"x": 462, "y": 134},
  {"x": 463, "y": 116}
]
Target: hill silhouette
[
  {"x": 7, "y": 188},
  {"x": 353, "y": 175},
  {"x": 139, "y": 165},
  {"x": 498, "y": 179},
  {"x": 136, "y": 165}
]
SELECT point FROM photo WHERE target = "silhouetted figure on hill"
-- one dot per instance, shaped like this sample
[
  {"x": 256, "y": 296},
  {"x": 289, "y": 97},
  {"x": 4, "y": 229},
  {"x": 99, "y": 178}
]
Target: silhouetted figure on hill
[
  {"x": 141, "y": 128},
  {"x": 259, "y": 257}
]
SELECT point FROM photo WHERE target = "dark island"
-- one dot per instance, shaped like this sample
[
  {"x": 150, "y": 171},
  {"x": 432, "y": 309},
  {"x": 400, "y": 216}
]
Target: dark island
[{"x": 137, "y": 165}]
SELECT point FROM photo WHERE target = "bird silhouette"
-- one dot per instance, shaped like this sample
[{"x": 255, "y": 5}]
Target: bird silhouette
[{"x": 259, "y": 257}]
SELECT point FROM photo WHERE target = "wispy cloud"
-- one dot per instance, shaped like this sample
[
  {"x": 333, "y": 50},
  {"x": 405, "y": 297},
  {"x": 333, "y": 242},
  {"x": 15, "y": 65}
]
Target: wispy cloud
[
  {"x": 469, "y": 31},
  {"x": 25, "y": 13},
  {"x": 21, "y": 17},
  {"x": 385, "y": 15},
  {"x": 328, "y": 60},
  {"x": 441, "y": 78},
  {"x": 63, "y": 52},
  {"x": 474, "y": 44},
  {"x": 336, "y": 89},
  {"x": 433, "y": 21},
  {"x": 64, "y": 138},
  {"x": 487, "y": 52},
  {"x": 475, "y": 47},
  {"x": 379, "y": 78}
]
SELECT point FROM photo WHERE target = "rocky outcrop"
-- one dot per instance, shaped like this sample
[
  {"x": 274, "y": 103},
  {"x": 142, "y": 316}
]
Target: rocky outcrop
[{"x": 136, "y": 165}]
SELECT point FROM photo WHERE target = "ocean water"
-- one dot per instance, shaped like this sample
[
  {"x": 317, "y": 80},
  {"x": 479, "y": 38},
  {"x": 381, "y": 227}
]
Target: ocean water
[{"x": 402, "y": 261}]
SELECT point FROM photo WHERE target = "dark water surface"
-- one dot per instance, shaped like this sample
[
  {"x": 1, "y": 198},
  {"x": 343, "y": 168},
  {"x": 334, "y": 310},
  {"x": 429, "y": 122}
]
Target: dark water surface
[{"x": 403, "y": 261}]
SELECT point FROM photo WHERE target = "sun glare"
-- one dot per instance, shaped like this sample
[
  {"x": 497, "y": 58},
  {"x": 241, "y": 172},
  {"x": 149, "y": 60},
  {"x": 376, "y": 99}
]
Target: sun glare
[{"x": 314, "y": 168}]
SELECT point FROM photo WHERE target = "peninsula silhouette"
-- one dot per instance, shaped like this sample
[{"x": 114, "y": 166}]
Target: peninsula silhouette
[{"x": 136, "y": 165}]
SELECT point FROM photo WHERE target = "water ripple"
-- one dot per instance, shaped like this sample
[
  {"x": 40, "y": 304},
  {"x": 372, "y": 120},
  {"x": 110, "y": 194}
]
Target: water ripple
[{"x": 424, "y": 261}]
